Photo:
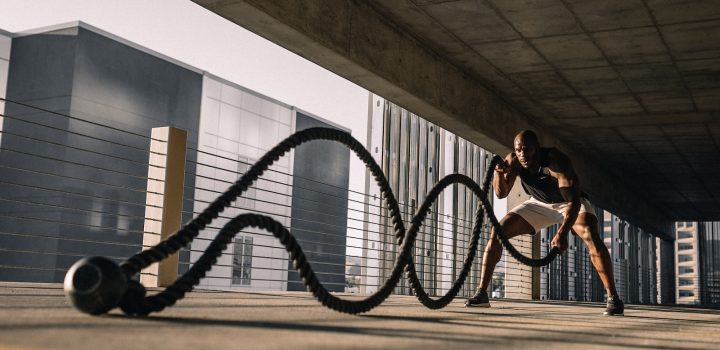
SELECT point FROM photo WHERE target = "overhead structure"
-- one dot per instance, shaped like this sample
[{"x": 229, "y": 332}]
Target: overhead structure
[{"x": 629, "y": 89}]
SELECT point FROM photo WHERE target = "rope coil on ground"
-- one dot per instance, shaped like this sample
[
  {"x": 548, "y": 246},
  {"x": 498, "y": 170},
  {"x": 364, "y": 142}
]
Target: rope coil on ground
[{"x": 135, "y": 301}]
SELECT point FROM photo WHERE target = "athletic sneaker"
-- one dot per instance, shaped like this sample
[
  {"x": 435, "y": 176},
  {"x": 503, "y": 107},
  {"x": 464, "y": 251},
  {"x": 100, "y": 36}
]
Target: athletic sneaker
[
  {"x": 480, "y": 299},
  {"x": 615, "y": 307}
]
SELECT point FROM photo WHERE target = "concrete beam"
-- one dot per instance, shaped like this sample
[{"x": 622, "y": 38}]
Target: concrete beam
[
  {"x": 646, "y": 119},
  {"x": 353, "y": 40}
]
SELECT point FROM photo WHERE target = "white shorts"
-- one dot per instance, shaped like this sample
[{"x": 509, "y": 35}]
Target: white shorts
[{"x": 541, "y": 215}]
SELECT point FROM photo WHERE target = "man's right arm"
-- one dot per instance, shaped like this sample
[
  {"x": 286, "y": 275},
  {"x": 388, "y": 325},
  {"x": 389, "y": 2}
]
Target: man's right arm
[{"x": 505, "y": 175}]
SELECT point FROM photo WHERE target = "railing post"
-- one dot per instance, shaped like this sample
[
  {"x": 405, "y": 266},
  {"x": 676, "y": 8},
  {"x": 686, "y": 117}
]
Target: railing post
[
  {"x": 536, "y": 254},
  {"x": 163, "y": 206}
]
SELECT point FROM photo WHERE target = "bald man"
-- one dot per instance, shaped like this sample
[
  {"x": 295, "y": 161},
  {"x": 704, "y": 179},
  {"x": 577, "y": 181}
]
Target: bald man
[{"x": 547, "y": 175}]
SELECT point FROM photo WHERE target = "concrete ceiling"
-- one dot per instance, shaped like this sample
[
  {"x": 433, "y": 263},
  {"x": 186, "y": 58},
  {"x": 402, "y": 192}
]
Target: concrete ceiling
[
  {"x": 629, "y": 88},
  {"x": 636, "y": 83}
]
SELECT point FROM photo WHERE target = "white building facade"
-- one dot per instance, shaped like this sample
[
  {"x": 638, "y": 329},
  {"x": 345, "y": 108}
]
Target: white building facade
[{"x": 237, "y": 127}]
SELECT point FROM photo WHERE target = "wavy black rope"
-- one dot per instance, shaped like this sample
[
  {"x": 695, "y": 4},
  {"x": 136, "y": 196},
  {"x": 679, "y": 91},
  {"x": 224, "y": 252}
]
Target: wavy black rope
[{"x": 135, "y": 301}]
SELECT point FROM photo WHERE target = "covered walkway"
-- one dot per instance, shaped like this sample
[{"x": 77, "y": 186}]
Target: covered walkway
[{"x": 37, "y": 316}]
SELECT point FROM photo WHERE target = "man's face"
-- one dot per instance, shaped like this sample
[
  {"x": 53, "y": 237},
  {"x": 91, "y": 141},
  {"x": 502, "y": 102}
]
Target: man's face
[{"x": 527, "y": 153}]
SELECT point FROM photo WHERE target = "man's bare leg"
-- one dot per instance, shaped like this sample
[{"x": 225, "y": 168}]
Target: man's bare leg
[
  {"x": 513, "y": 225},
  {"x": 586, "y": 228}
]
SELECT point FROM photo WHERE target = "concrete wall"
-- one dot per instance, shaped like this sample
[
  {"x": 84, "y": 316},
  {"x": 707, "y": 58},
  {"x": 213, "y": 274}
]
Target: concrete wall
[{"x": 93, "y": 175}]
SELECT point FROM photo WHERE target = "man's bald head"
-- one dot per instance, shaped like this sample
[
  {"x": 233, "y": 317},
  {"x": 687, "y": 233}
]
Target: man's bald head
[
  {"x": 527, "y": 137},
  {"x": 527, "y": 147}
]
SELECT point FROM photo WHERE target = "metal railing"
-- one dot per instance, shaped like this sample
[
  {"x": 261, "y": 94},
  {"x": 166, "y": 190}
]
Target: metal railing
[{"x": 73, "y": 187}]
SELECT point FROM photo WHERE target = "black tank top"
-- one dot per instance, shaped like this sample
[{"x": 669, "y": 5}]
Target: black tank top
[{"x": 541, "y": 185}]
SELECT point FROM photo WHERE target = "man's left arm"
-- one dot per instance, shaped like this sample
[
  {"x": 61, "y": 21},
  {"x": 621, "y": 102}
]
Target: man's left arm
[{"x": 563, "y": 171}]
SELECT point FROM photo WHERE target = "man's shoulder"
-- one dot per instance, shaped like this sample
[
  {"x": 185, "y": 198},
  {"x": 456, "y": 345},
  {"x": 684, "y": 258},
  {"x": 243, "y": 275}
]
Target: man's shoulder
[
  {"x": 557, "y": 160},
  {"x": 551, "y": 151}
]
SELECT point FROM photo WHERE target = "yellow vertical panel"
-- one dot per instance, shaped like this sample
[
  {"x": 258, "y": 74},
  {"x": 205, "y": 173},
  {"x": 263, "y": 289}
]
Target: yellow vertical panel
[{"x": 163, "y": 212}]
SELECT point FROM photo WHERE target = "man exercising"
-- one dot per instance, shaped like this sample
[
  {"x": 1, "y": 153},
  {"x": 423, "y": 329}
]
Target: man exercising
[{"x": 548, "y": 177}]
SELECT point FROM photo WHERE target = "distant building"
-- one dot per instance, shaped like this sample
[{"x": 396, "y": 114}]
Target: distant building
[
  {"x": 415, "y": 154},
  {"x": 686, "y": 246},
  {"x": 698, "y": 262},
  {"x": 5, "y": 44},
  {"x": 75, "y": 186}
]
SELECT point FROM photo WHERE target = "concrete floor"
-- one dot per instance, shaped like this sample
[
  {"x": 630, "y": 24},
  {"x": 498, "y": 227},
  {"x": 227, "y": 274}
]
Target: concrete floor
[{"x": 37, "y": 316}]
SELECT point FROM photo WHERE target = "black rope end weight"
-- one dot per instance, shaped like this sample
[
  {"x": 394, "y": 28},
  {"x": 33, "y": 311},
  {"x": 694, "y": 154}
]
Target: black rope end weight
[{"x": 95, "y": 285}]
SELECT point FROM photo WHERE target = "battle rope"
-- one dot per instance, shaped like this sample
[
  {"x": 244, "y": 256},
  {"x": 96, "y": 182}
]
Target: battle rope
[{"x": 97, "y": 285}]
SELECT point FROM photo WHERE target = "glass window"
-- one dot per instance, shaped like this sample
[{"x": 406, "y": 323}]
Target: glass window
[
  {"x": 686, "y": 282},
  {"x": 247, "y": 199},
  {"x": 683, "y": 258},
  {"x": 242, "y": 261},
  {"x": 686, "y": 270},
  {"x": 684, "y": 234}
]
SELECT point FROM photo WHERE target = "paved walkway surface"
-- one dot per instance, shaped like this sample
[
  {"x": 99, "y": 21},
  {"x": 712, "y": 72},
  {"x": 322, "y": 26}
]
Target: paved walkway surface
[{"x": 37, "y": 316}]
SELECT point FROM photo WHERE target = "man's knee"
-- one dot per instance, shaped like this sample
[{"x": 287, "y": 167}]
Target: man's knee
[
  {"x": 583, "y": 232},
  {"x": 591, "y": 238},
  {"x": 494, "y": 240},
  {"x": 494, "y": 244}
]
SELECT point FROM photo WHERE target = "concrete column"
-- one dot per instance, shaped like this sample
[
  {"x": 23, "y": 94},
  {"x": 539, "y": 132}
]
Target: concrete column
[
  {"x": 163, "y": 210},
  {"x": 370, "y": 270},
  {"x": 518, "y": 277},
  {"x": 536, "y": 254}
]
